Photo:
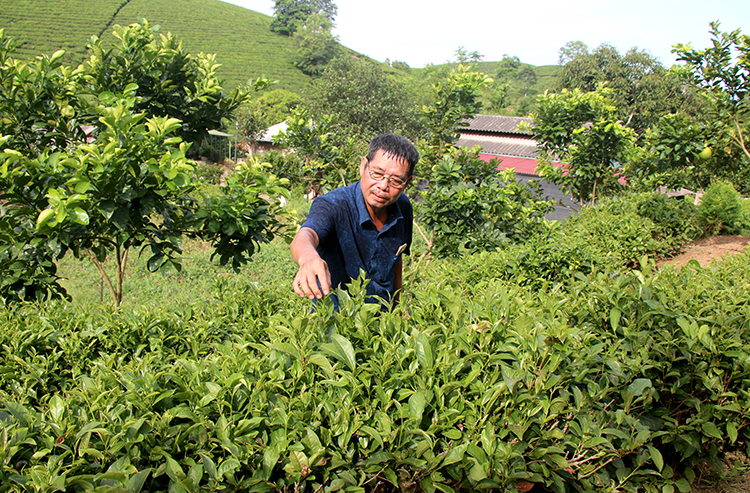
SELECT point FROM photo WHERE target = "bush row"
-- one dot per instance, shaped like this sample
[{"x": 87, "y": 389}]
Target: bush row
[{"x": 621, "y": 381}]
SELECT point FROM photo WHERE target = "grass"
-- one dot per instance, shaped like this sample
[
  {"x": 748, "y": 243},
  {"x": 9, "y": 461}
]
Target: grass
[{"x": 199, "y": 280}]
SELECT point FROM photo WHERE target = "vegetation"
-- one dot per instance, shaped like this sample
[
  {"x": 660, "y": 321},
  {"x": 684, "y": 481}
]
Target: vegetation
[
  {"x": 241, "y": 38},
  {"x": 364, "y": 100},
  {"x": 582, "y": 131},
  {"x": 454, "y": 100},
  {"x": 290, "y": 15},
  {"x": 316, "y": 46},
  {"x": 128, "y": 184},
  {"x": 510, "y": 372},
  {"x": 536, "y": 356},
  {"x": 642, "y": 88},
  {"x": 169, "y": 81},
  {"x": 470, "y": 208}
]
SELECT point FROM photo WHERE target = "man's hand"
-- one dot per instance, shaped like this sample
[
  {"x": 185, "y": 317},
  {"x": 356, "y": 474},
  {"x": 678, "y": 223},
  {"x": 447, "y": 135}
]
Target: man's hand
[{"x": 313, "y": 279}]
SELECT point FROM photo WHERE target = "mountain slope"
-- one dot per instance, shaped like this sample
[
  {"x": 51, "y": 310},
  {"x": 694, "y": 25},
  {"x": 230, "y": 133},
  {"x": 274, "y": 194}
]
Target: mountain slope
[{"x": 241, "y": 39}]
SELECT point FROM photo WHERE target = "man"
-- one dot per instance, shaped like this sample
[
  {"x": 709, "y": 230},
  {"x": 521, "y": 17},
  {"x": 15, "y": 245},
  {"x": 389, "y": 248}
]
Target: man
[{"x": 366, "y": 225}]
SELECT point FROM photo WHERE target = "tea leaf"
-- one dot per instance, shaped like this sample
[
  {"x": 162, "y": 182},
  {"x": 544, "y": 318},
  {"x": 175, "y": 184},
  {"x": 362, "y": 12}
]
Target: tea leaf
[{"x": 341, "y": 349}]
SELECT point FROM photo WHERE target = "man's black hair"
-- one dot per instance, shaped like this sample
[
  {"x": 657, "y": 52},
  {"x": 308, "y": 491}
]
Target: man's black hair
[{"x": 395, "y": 146}]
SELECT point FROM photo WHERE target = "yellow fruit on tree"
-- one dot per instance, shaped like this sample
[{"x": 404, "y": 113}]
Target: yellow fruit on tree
[
  {"x": 705, "y": 154},
  {"x": 44, "y": 217}
]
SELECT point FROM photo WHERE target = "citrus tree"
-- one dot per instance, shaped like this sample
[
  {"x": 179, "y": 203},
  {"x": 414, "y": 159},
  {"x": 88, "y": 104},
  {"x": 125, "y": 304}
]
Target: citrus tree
[
  {"x": 581, "y": 130},
  {"x": 41, "y": 104},
  {"x": 470, "y": 207},
  {"x": 723, "y": 72},
  {"x": 130, "y": 188},
  {"x": 170, "y": 81},
  {"x": 455, "y": 99},
  {"x": 122, "y": 181}
]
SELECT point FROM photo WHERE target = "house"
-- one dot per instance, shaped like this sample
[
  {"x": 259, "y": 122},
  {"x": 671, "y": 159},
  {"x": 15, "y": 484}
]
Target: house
[
  {"x": 265, "y": 142},
  {"x": 509, "y": 139}
]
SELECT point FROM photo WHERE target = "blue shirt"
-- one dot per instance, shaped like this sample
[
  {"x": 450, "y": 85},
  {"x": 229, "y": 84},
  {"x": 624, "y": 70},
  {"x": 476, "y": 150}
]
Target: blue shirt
[{"x": 349, "y": 240}]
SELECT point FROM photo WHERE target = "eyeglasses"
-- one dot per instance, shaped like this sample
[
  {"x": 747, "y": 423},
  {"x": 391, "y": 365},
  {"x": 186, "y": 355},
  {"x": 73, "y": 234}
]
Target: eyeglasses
[{"x": 393, "y": 181}]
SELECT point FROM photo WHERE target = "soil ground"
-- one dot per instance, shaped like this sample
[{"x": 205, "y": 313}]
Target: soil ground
[
  {"x": 704, "y": 251},
  {"x": 708, "y": 249}
]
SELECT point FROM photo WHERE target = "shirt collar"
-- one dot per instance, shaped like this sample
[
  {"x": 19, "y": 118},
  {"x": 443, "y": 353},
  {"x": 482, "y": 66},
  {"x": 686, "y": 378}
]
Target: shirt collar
[{"x": 394, "y": 211}]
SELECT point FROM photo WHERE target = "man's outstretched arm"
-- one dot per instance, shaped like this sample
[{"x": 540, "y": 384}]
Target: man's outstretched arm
[{"x": 313, "y": 280}]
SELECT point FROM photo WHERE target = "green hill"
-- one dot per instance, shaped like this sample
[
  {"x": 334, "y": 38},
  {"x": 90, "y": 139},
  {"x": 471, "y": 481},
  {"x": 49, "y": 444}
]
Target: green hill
[
  {"x": 239, "y": 37},
  {"x": 244, "y": 45}
]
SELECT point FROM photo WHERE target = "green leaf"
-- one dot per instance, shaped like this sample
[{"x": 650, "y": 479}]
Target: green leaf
[
  {"x": 656, "y": 457},
  {"x": 456, "y": 454},
  {"x": 614, "y": 318},
  {"x": 44, "y": 217},
  {"x": 209, "y": 465},
  {"x": 107, "y": 208},
  {"x": 683, "y": 485},
  {"x": 477, "y": 473},
  {"x": 417, "y": 404},
  {"x": 227, "y": 467},
  {"x": 120, "y": 218},
  {"x": 712, "y": 430},
  {"x": 321, "y": 361},
  {"x": 374, "y": 434},
  {"x": 82, "y": 186},
  {"x": 174, "y": 471},
  {"x": 137, "y": 480},
  {"x": 732, "y": 431},
  {"x": 453, "y": 434},
  {"x": 80, "y": 216},
  {"x": 341, "y": 349},
  {"x": 56, "y": 408},
  {"x": 391, "y": 476},
  {"x": 270, "y": 459},
  {"x": 424, "y": 351},
  {"x": 639, "y": 386}
]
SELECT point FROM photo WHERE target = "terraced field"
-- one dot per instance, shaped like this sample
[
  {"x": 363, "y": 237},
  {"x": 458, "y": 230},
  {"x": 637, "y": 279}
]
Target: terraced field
[{"x": 241, "y": 39}]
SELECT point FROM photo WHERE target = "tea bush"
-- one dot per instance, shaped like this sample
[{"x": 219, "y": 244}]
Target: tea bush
[
  {"x": 720, "y": 210},
  {"x": 210, "y": 173},
  {"x": 624, "y": 229},
  {"x": 545, "y": 363},
  {"x": 606, "y": 382}
]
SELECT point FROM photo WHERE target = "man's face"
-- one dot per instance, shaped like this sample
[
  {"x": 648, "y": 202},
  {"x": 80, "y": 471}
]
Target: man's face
[{"x": 380, "y": 193}]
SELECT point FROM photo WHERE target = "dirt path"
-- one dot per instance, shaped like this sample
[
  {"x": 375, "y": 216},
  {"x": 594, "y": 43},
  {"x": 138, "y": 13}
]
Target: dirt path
[{"x": 708, "y": 249}]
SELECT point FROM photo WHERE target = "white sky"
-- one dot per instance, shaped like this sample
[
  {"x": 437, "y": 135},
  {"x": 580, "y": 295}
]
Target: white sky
[{"x": 421, "y": 32}]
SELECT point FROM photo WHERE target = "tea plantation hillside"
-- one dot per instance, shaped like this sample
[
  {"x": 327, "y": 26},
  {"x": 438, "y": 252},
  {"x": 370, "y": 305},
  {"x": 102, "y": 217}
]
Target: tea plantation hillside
[{"x": 241, "y": 39}]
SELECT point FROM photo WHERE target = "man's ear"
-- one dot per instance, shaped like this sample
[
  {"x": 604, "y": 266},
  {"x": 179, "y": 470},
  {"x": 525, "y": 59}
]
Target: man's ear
[{"x": 362, "y": 165}]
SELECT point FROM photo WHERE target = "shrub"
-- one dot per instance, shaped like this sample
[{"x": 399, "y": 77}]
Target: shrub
[
  {"x": 210, "y": 173},
  {"x": 674, "y": 217},
  {"x": 720, "y": 210},
  {"x": 624, "y": 229},
  {"x": 470, "y": 207},
  {"x": 287, "y": 165},
  {"x": 615, "y": 382},
  {"x": 744, "y": 226}
]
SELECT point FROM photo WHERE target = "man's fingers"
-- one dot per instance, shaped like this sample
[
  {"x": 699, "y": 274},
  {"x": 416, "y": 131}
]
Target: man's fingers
[
  {"x": 313, "y": 280},
  {"x": 310, "y": 287}
]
